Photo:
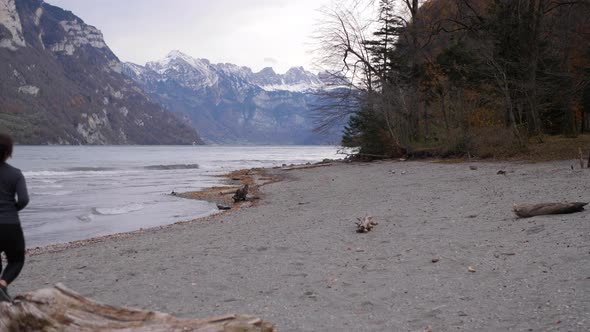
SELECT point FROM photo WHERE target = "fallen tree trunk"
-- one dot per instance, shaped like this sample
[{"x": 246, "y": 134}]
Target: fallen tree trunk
[
  {"x": 61, "y": 309},
  {"x": 531, "y": 210}
]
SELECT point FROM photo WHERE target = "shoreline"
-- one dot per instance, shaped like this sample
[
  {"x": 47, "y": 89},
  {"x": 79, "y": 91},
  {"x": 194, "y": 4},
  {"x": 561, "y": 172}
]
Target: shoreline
[
  {"x": 447, "y": 254},
  {"x": 254, "y": 177}
]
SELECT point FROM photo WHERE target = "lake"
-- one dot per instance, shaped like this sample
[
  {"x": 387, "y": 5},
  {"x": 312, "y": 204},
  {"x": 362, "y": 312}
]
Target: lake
[{"x": 79, "y": 192}]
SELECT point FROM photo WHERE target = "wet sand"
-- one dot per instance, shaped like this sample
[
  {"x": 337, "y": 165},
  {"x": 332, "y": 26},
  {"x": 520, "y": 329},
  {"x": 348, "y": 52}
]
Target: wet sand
[{"x": 294, "y": 258}]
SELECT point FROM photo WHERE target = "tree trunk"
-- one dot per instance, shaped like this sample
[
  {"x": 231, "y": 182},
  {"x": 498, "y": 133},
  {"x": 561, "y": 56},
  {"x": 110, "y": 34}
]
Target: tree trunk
[
  {"x": 532, "y": 32},
  {"x": 61, "y": 309}
]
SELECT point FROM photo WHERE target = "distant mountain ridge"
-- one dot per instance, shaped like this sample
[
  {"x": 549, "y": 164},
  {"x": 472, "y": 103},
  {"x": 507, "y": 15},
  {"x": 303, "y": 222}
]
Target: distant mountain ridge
[
  {"x": 232, "y": 104},
  {"x": 61, "y": 84},
  {"x": 295, "y": 79}
]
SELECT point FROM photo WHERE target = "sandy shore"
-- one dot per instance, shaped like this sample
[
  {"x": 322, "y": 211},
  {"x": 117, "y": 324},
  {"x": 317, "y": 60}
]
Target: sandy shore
[{"x": 295, "y": 259}]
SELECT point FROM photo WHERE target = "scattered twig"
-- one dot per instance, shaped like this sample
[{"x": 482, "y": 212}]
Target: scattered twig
[{"x": 365, "y": 224}]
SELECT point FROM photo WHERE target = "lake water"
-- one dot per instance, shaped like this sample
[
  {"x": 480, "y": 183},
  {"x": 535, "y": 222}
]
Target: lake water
[{"x": 79, "y": 192}]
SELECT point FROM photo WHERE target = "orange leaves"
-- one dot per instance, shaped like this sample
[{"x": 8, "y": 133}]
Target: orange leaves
[{"x": 483, "y": 117}]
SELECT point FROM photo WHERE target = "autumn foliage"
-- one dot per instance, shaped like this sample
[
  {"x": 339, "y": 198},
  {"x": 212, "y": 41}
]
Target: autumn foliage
[{"x": 478, "y": 77}]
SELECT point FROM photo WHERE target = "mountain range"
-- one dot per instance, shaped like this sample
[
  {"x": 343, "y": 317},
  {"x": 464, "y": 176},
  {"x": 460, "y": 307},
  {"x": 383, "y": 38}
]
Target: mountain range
[
  {"x": 61, "y": 84},
  {"x": 232, "y": 104}
]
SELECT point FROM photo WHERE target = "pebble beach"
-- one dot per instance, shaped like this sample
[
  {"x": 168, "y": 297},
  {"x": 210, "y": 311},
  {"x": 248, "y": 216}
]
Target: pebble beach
[{"x": 447, "y": 254}]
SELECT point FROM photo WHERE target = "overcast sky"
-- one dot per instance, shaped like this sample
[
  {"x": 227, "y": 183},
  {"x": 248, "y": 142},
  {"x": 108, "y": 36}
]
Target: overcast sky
[{"x": 253, "y": 33}]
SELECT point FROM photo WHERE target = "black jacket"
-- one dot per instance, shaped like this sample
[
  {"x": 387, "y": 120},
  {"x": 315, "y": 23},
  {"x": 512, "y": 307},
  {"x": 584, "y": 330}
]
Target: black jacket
[{"x": 13, "y": 194}]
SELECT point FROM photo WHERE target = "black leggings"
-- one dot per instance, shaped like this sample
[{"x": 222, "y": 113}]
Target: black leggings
[{"x": 12, "y": 243}]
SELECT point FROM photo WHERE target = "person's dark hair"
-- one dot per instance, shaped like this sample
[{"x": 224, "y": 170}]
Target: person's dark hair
[{"x": 6, "y": 144}]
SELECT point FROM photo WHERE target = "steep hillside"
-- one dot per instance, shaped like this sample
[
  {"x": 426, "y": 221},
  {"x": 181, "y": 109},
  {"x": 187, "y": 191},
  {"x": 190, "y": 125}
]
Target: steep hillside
[{"x": 61, "y": 84}]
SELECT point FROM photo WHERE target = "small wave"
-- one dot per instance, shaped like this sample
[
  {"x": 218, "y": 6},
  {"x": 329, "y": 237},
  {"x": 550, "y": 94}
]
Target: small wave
[
  {"x": 66, "y": 174},
  {"x": 85, "y": 218},
  {"x": 171, "y": 167},
  {"x": 55, "y": 193},
  {"x": 118, "y": 210},
  {"x": 47, "y": 181},
  {"x": 89, "y": 169},
  {"x": 47, "y": 186}
]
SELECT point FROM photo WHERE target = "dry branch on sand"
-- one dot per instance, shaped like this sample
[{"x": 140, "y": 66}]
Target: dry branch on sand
[
  {"x": 531, "y": 210},
  {"x": 365, "y": 224},
  {"x": 61, "y": 309}
]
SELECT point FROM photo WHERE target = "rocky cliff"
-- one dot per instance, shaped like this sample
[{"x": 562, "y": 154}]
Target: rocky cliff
[{"x": 61, "y": 84}]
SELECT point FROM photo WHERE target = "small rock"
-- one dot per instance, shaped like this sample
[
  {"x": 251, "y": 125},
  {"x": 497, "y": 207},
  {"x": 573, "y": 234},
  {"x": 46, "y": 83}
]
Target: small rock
[
  {"x": 435, "y": 259},
  {"x": 473, "y": 168},
  {"x": 223, "y": 207},
  {"x": 471, "y": 269},
  {"x": 500, "y": 172}
]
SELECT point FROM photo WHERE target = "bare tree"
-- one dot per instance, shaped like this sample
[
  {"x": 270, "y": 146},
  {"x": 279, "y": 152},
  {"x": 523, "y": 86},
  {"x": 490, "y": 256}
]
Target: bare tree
[{"x": 343, "y": 54}]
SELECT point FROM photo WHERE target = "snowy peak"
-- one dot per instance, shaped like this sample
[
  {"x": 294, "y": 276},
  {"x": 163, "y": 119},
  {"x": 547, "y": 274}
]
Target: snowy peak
[
  {"x": 298, "y": 75},
  {"x": 177, "y": 57},
  {"x": 295, "y": 79},
  {"x": 194, "y": 73},
  {"x": 243, "y": 73},
  {"x": 267, "y": 77},
  {"x": 201, "y": 73}
]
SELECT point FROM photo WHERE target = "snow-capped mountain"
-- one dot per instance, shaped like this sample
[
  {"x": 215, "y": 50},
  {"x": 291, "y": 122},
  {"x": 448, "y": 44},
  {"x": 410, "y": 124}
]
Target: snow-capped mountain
[
  {"x": 232, "y": 104},
  {"x": 61, "y": 84},
  {"x": 201, "y": 73}
]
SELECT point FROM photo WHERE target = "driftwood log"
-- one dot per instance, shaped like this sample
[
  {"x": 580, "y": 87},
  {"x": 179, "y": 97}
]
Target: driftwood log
[
  {"x": 365, "y": 224},
  {"x": 531, "y": 210},
  {"x": 241, "y": 194},
  {"x": 61, "y": 309}
]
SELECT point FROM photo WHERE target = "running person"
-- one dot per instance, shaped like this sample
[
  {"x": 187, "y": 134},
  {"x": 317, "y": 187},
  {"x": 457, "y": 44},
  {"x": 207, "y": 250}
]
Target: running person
[{"x": 13, "y": 198}]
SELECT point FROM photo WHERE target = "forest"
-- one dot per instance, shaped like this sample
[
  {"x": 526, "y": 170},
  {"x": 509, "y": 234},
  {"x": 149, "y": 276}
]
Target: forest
[{"x": 456, "y": 77}]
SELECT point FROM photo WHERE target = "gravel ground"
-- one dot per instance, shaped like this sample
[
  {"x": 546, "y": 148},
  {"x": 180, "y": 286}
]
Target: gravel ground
[{"x": 296, "y": 260}]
